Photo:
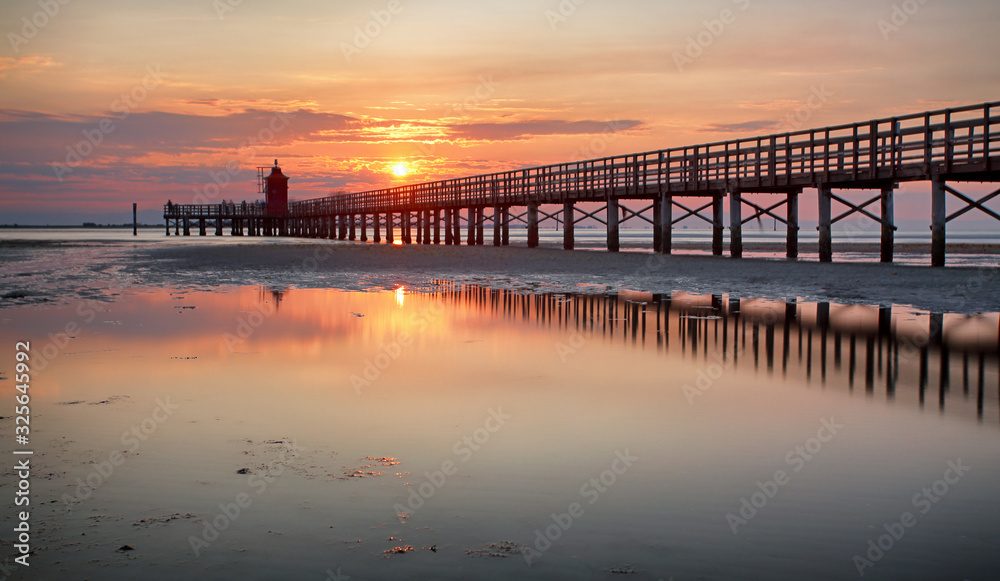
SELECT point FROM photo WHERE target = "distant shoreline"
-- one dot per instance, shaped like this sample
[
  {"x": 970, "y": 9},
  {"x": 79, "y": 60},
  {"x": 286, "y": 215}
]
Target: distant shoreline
[{"x": 79, "y": 226}]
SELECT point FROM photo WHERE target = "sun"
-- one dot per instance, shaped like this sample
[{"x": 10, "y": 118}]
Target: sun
[{"x": 400, "y": 169}]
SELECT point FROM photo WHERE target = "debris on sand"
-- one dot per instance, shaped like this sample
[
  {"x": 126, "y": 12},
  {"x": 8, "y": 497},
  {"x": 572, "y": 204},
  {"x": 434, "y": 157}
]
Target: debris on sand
[
  {"x": 502, "y": 550},
  {"x": 624, "y": 570},
  {"x": 125, "y": 548},
  {"x": 397, "y": 551},
  {"x": 163, "y": 519}
]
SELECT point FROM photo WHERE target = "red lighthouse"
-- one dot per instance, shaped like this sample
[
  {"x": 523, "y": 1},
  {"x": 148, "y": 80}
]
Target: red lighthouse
[{"x": 277, "y": 192}]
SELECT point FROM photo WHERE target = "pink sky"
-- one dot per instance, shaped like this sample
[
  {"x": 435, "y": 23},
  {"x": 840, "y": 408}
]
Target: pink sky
[{"x": 173, "y": 93}]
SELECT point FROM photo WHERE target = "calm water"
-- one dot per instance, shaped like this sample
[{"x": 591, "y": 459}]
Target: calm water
[
  {"x": 853, "y": 246},
  {"x": 456, "y": 432}
]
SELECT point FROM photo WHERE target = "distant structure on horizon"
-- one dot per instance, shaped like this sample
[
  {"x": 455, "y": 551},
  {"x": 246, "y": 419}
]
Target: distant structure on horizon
[{"x": 950, "y": 145}]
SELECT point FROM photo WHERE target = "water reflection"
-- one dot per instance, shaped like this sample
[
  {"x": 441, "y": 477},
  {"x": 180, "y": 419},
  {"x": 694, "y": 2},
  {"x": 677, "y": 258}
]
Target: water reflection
[
  {"x": 882, "y": 348},
  {"x": 382, "y": 389}
]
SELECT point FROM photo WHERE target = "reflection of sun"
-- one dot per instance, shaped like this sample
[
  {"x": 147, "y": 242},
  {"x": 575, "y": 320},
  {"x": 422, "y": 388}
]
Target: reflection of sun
[
  {"x": 400, "y": 169},
  {"x": 400, "y": 295}
]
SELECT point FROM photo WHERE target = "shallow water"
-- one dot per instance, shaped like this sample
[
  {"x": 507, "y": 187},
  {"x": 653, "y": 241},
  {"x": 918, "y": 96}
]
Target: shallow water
[
  {"x": 854, "y": 246},
  {"x": 577, "y": 435}
]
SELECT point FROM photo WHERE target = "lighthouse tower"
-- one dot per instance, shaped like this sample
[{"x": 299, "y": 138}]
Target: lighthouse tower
[{"x": 277, "y": 192}]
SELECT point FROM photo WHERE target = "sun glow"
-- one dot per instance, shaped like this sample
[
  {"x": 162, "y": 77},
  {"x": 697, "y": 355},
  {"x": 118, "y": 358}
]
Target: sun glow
[{"x": 400, "y": 169}]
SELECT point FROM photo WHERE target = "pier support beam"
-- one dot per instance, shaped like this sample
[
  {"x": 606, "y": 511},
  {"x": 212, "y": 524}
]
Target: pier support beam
[
  {"x": 825, "y": 225},
  {"x": 612, "y": 217},
  {"x": 218, "y": 226},
  {"x": 663, "y": 223},
  {"x": 938, "y": 220},
  {"x": 449, "y": 230},
  {"x": 202, "y": 230},
  {"x": 792, "y": 234},
  {"x": 352, "y": 225},
  {"x": 419, "y": 219},
  {"x": 569, "y": 219},
  {"x": 376, "y": 228},
  {"x": 480, "y": 225},
  {"x": 187, "y": 227},
  {"x": 436, "y": 216},
  {"x": 406, "y": 227},
  {"x": 736, "y": 224},
  {"x": 470, "y": 224},
  {"x": 505, "y": 226},
  {"x": 497, "y": 225},
  {"x": 390, "y": 237},
  {"x": 427, "y": 226},
  {"x": 717, "y": 228},
  {"x": 532, "y": 225},
  {"x": 364, "y": 227},
  {"x": 456, "y": 223},
  {"x": 888, "y": 221},
  {"x": 342, "y": 235}
]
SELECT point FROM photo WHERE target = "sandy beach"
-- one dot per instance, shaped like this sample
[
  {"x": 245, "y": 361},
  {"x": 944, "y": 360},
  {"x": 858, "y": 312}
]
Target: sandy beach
[
  {"x": 357, "y": 266},
  {"x": 302, "y": 263}
]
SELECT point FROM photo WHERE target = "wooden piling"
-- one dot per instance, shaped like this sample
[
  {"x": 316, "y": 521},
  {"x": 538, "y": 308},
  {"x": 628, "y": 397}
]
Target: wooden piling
[
  {"x": 717, "y": 227},
  {"x": 938, "y": 220},
  {"x": 569, "y": 220},
  {"x": 497, "y": 225},
  {"x": 612, "y": 214},
  {"x": 888, "y": 220},
  {"x": 735, "y": 224},
  {"x": 792, "y": 233},
  {"x": 532, "y": 225},
  {"x": 825, "y": 224}
]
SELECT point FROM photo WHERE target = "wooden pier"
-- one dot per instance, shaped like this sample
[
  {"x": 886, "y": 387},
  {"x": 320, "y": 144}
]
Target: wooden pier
[{"x": 943, "y": 148}]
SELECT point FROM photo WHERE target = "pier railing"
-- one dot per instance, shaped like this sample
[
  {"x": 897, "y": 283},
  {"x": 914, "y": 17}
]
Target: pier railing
[{"x": 949, "y": 142}]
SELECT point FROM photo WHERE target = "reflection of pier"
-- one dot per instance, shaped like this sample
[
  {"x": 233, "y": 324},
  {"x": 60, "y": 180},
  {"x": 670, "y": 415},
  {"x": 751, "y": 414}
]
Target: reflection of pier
[
  {"x": 661, "y": 188},
  {"x": 878, "y": 348}
]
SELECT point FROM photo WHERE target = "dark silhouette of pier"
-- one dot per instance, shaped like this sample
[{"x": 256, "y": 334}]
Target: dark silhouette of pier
[
  {"x": 944, "y": 148},
  {"x": 928, "y": 359}
]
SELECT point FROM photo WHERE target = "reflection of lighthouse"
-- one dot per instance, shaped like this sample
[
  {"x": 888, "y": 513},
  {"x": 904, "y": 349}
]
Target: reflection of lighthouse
[{"x": 277, "y": 192}]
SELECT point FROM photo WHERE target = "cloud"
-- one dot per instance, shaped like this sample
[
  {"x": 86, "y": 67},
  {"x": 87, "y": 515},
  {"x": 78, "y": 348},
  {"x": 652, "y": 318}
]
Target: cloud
[
  {"x": 744, "y": 127},
  {"x": 525, "y": 129}
]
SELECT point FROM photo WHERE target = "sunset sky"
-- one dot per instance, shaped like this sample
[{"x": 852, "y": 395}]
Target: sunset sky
[{"x": 171, "y": 93}]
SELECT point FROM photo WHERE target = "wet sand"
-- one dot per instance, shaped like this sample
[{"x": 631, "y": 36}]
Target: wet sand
[{"x": 326, "y": 264}]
